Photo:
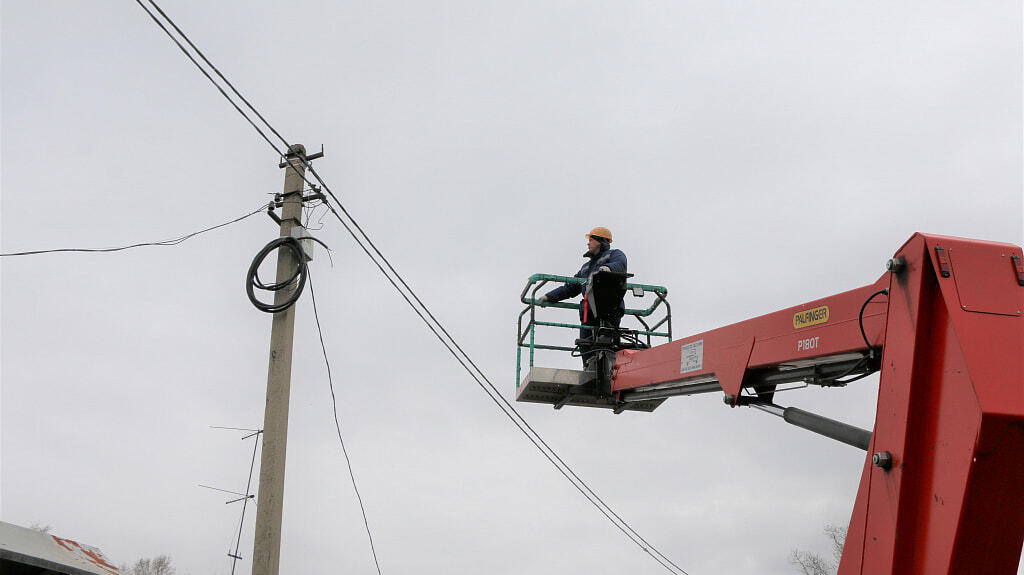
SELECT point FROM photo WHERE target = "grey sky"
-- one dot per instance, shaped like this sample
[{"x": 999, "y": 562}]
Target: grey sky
[{"x": 748, "y": 156}]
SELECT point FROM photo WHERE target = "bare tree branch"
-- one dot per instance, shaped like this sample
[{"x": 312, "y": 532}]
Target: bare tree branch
[
  {"x": 160, "y": 565},
  {"x": 814, "y": 564}
]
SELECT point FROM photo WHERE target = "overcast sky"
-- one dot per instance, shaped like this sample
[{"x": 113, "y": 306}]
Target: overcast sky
[{"x": 750, "y": 156}]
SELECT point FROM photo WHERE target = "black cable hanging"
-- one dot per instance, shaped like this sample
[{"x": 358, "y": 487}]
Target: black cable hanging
[
  {"x": 337, "y": 426},
  {"x": 172, "y": 242},
  {"x": 297, "y": 281},
  {"x": 866, "y": 362},
  {"x": 872, "y": 350}
]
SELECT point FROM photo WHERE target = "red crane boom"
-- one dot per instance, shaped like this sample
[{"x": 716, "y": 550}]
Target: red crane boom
[{"x": 942, "y": 489}]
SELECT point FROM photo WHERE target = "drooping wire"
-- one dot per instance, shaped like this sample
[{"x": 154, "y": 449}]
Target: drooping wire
[
  {"x": 516, "y": 418},
  {"x": 864, "y": 362},
  {"x": 493, "y": 393},
  {"x": 337, "y": 426},
  {"x": 172, "y": 242},
  {"x": 872, "y": 350},
  {"x": 860, "y": 318}
]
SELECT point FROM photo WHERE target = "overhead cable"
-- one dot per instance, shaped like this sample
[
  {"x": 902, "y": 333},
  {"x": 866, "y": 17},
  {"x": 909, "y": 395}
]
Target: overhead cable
[
  {"x": 435, "y": 326},
  {"x": 503, "y": 404},
  {"x": 216, "y": 71},
  {"x": 201, "y": 69},
  {"x": 172, "y": 242}
]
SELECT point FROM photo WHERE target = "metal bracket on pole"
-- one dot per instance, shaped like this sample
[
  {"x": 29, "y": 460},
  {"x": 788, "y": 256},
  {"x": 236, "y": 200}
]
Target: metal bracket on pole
[
  {"x": 305, "y": 159},
  {"x": 280, "y": 221},
  {"x": 316, "y": 195},
  {"x": 280, "y": 198},
  {"x": 278, "y": 202}
]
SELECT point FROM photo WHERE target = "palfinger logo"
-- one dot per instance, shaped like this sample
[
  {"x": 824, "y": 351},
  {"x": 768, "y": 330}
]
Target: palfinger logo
[{"x": 807, "y": 318}]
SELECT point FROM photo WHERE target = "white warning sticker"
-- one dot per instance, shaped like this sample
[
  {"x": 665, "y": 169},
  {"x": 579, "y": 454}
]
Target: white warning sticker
[{"x": 692, "y": 357}]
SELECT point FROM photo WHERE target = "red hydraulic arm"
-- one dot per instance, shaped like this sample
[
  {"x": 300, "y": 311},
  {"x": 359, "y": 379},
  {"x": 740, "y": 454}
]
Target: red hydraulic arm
[{"x": 942, "y": 489}]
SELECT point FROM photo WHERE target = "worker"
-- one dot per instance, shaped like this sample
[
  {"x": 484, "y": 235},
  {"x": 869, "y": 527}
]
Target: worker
[{"x": 600, "y": 257}]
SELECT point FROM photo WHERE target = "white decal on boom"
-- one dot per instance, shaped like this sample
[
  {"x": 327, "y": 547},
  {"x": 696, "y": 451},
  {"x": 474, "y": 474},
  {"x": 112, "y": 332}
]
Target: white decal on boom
[
  {"x": 692, "y": 357},
  {"x": 806, "y": 344}
]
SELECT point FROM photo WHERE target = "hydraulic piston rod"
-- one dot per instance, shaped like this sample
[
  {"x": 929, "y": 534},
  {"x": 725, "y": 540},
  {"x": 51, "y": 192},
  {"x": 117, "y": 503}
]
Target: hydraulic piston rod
[{"x": 843, "y": 432}]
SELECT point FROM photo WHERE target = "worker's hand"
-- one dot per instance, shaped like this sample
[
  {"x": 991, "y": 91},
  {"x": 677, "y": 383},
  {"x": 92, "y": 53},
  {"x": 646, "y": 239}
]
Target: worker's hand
[
  {"x": 543, "y": 301},
  {"x": 604, "y": 269}
]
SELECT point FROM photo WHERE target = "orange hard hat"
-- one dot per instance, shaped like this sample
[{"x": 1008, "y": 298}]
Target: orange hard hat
[{"x": 600, "y": 232}]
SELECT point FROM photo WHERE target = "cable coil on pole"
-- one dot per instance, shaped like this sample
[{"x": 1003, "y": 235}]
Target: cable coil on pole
[{"x": 297, "y": 279}]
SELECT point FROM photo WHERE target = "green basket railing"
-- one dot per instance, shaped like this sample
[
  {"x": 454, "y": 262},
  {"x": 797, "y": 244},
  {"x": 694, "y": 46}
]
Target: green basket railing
[{"x": 651, "y": 319}]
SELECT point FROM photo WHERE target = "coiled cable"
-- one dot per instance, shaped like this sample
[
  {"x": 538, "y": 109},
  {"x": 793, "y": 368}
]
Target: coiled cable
[{"x": 297, "y": 281}]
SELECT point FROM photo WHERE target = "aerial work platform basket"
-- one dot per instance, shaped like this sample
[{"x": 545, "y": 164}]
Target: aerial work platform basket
[{"x": 589, "y": 387}]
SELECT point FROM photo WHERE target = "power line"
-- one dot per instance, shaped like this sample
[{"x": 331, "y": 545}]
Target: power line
[
  {"x": 228, "y": 98},
  {"x": 216, "y": 71},
  {"x": 519, "y": 421},
  {"x": 486, "y": 385},
  {"x": 172, "y": 242},
  {"x": 495, "y": 395},
  {"x": 337, "y": 425},
  {"x": 490, "y": 389},
  {"x": 201, "y": 69}
]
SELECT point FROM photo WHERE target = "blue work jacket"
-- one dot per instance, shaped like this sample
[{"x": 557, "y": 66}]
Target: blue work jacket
[{"x": 614, "y": 259}]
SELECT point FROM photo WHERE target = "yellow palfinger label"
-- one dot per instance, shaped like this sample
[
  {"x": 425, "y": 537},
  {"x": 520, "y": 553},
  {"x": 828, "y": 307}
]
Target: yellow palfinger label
[{"x": 809, "y": 317}]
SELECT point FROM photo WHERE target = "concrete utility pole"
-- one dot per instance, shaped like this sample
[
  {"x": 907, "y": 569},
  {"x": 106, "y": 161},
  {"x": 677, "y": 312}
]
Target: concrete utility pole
[{"x": 267, "y": 543}]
